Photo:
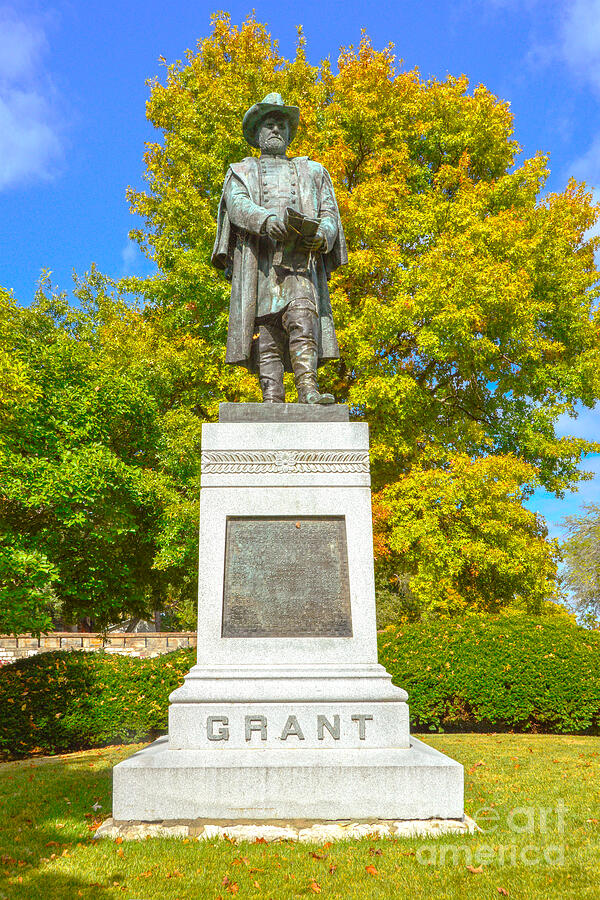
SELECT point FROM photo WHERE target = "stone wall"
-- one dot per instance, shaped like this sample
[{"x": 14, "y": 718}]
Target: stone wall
[{"x": 128, "y": 644}]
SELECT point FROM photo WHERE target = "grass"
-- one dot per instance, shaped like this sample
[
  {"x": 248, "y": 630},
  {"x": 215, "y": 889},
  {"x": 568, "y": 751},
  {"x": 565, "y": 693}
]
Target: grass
[{"x": 48, "y": 812}]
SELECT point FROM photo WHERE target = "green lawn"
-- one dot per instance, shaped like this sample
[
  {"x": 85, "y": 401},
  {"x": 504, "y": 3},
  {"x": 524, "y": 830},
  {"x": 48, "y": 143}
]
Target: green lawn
[{"x": 47, "y": 821}]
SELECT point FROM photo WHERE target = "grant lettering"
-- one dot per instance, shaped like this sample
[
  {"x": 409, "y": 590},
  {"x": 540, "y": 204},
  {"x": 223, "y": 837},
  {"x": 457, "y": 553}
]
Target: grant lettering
[
  {"x": 292, "y": 729},
  {"x": 328, "y": 728},
  {"x": 223, "y": 733},
  {"x": 324, "y": 723},
  {"x": 361, "y": 725},
  {"x": 256, "y": 723}
]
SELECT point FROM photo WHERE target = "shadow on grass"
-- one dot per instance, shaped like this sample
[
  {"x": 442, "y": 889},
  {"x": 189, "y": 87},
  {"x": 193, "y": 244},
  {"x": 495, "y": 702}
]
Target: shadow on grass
[{"x": 49, "y": 809}]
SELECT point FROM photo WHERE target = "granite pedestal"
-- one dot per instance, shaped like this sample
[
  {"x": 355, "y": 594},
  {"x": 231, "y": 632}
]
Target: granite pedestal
[{"x": 287, "y": 713}]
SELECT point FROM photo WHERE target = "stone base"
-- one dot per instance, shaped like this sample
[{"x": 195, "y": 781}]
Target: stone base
[
  {"x": 249, "y": 705},
  {"x": 251, "y": 784},
  {"x": 303, "y": 832},
  {"x": 283, "y": 412},
  {"x": 287, "y": 714}
]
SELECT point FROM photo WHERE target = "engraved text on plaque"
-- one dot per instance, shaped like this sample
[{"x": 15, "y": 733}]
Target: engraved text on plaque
[{"x": 286, "y": 577}]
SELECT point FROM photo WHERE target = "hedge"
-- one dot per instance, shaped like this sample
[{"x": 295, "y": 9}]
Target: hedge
[
  {"x": 492, "y": 674},
  {"x": 61, "y": 701},
  {"x": 480, "y": 673}
]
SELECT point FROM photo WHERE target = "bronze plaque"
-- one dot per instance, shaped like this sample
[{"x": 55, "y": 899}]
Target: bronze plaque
[{"x": 286, "y": 577}]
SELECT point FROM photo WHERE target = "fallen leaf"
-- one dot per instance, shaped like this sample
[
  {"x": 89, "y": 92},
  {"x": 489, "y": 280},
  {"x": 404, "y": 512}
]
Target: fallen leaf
[
  {"x": 317, "y": 855},
  {"x": 260, "y": 841},
  {"x": 120, "y": 852},
  {"x": 371, "y": 870},
  {"x": 315, "y": 887},
  {"x": 119, "y": 840},
  {"x": 327, "y": 844},
  {"x": 502, "y": 891},
  {"x": 232, "y": 887},
  {"x": 332, "y": 869},
  {"x": 476, "y": 766},
  {"x": 593, "y": 821},
  {"x": 175, "y": 874},
  {"x": 375, "y": 851},
  {"x": 475, "y": 871}
]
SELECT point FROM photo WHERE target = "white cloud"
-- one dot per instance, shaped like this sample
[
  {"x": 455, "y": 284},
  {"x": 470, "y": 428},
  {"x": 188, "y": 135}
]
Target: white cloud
[
  {"x": 580, "y": 38},
  {"x": 587, "y": 166},
  {"x": 555, "y": 509},
  {"x": 21, "y": 44},
  {"x": 134, "y": 262},
  {"x": 30, "y": 143},
  {"x": 586, "y": 425},
  {"x": 129, "y": 254}
]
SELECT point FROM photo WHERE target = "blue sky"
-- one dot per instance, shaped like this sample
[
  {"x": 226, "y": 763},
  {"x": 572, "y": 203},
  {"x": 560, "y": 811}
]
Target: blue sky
[{"x": 72, "y": 124}]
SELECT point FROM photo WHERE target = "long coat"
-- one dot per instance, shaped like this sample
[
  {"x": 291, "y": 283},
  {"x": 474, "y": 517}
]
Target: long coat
[{"x": 237, "y": 248}]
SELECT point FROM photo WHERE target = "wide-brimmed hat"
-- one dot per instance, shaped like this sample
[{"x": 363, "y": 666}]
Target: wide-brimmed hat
[{"x": 256, "y": 113}]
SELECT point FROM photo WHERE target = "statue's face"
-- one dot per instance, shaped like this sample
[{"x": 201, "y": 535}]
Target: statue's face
[{"x": 274, "y": 134}]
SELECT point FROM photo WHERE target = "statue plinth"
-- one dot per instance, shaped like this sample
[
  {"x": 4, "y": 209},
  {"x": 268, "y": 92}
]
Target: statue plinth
[{"x": 287, "y": 713}]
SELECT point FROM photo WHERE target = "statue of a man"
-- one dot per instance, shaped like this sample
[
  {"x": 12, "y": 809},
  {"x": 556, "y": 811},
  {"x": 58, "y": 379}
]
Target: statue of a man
[{"x": 279, "y": 237}]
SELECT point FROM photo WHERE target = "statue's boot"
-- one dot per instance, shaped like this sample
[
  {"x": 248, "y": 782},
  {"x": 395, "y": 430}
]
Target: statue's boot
[
  {"x": 302, "y": 326},
  {"x": 271, "y": 343},
  {"x": 308, "y": 392}
]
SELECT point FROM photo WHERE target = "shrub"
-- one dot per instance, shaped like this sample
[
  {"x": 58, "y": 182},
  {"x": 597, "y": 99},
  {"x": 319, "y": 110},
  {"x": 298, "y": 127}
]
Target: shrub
[
  {"x": 481, "y": 673},
  {"x": 61, "y": 701}
]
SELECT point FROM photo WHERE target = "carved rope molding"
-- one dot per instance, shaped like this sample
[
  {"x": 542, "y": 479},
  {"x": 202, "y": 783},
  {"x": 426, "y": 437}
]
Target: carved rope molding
[{"x": 228, "y": 462}]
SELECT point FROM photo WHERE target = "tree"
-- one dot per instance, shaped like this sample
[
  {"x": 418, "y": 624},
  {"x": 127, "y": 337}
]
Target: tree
[
  {"x": 458, "y": 539},
  {"x": 465, "y": 319},
  {"x": 466, "y": 311},
  {"x": 465, "y": 316},
  {"x": 99, "y": 458},
  {"x": 581, "y": 552}
]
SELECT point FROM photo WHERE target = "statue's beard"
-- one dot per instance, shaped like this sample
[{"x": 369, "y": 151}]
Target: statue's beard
[{"x": 273, "y": 144}]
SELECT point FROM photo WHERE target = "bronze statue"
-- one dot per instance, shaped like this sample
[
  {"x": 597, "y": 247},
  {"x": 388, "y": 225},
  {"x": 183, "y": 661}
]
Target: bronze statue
[{"x": 279, "y": 237}]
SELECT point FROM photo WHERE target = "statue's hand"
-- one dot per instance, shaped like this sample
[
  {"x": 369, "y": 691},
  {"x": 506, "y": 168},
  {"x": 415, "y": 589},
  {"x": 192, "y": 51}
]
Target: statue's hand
[
  {"x": 275, "y": 228},
  {"x": 316, "y": 242}
]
